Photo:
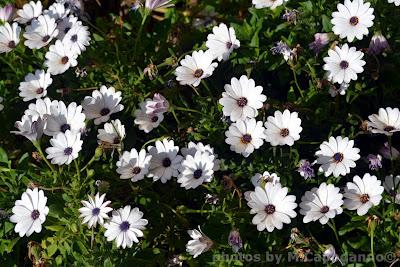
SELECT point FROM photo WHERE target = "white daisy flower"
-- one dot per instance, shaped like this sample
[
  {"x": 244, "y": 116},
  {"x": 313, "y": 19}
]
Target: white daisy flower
[
  {"x": 64, "y": 147},
  {"x": 64, "y": 25},
  {"x": 1, "y": 106},
  {"x": 30, "y": 126},
  {"x": 272, "y": 206},
  {"x": 363, "y": 193},
  {"x": 196, "y": 67},
  {"x": 222, "y": 42},
  {"x": 133, "y": 165},
  {"x": 192, "y": 148},
  {"x": 337, "y": 156},
  {"x": 199, "y": 244},
  {"x": 113, "y": 133},
  {"x": 102, "y": 104},
  {"x": 391, "y": 186},
  {"x": 125, "y": 226},
  {"x": 41, "y": 31},
  {"x": 63, "y": 118},
  {"x": 331, "y": 255},
  {"x": 321, "y": 203},
  {"x": 57, "y": 11},
  {"x": 29, "y": 12},
  {"x": 9, "y": 37},
  {"x": 29, "y": 213},
  {"x": 95, "y": 210},
  {"x": 241, "y": 99},
  {"x": 272, "y": 4},
  {"x": 386, "y": 122},
  {"x": 165, "y": 161},
  {"x": 196, "y": 170},
  {"x": 41, "y": 108},
  {"x": 352, "y": 19},
  {"x": 283, "y": 128},
  {"x": 343, "y": 64},
  {"x": 147, "y": 122},
  {"x": 60, "y": 58},
  {"x": 261, "y": 179},
  {"x": 77, "y": 38},
  {"x": 35, "y": 85},
  {"x": 245, "y": 136},
  {"x": 396, "y": 2}
]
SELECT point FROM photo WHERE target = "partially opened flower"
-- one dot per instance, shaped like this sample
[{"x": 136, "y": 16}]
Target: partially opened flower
[
  {"x": 60, "y": 58},
  {"x": 133, "y": 165},
  {"x": 9, "y": 37},
  {"x": 387, "y": 121},
  {"x": 331, "y": 255},
  {"x": 245, "y": 136},
  {"x": 29, "y": 213},
  {"x": 64, "y": 148},
  {"x": 112, "y": 134},
  {"x": 199, "y": 244},
  {"x": 102, "y": 104},
  {"x": 41, "y": 31},
  {"x": 196, "y": 170},
  {"x": 57, "y": 11},
  {"x": 30, "y": 127},
  {"x": 125, "y": 226},
  {"x": 343, "y": 64},
  {"x": 321, "y": 203},
  {"x": 29, "y": 12},
  {"x": 362, "y": 194},
  {"x": 6, "y": 13},
  {"x": 320, "y": 41},
  {"x": 159, "y": 104},
  {"x": 147, "y": 122},
  {"x": 242, "y": 98},
  {"x": 35, "y": 85},
  {"x": 392, "y": 187},
  {"x": 378, "y": 44},
  {"x": 283, "y": 128},
  {"x": 337, "y": 156},
  {"x": 196, "y": 67},
  {"x": 192, "y": 148},
  {"x": 389, "y": 152},
  {"x": 95, "y": 210},
  {"x": 222, "y": 42},
  {"x": 165, "y": 161},
  {"x": 352, "y": 19},
  {"x": 235, "y": 241},
  {"x": 157, "y": 4},
  {"x": 268, "y": 3},
  {"x": 272, "y": 206}
]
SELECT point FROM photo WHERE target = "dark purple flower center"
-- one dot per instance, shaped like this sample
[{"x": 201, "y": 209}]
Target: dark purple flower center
[
  {"x": 246, "y": 138},
  {"x": 198, "y": 73},
  {"x": 12, "y": 44},
  {"x": 64, "y": 60},
  {"x": 270, "y": 209},
  {"x": 65, "y": 127},
  {"x": 388, "y": 128},
  {"x": 136, "y": 170},
  {"x": 66, "y": 29},
  {"x": 154, "y": 118},
  {"x": 324, "y": 209},
  {"x": 104, "y": 111},
  {"x": 68, "y": 151},
  {"x": 117, "y": 140},
  {"x": 45, "y": 38},
  {"x": 364, "y": 198},
  {"x": 344, "y": 64},
  {"x": 74, "y": 38},
  {"x": 242, "y": 102},
  {"x": 35, "y": 214},
  {"x": 338, "y": 157},
  {"x": 166, "y": 162},
  {"x": 354, "y": 20},
  {"x": 124, "y": 226},
  {"x": 197, "y": 174},
  {"x": 39, "y": 90},
  {"x": 95, "y": 211},
  {"x": 284, "y": 132},
  {"x": 229, "y": 45}
]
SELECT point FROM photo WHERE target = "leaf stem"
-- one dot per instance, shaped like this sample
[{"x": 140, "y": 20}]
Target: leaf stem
[{"x": 39, "y": 149}]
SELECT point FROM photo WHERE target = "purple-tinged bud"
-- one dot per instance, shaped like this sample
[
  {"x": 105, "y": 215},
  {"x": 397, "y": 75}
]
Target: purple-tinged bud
[
  {"x": 320, "y": 41},
  {"x": 235, "y": 241},
  {"x": 378, "y": 45}
]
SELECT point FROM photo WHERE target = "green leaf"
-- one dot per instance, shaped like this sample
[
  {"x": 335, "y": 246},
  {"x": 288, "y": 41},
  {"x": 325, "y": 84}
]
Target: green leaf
[
  {"x": 3, "y": 155},
  {"x": 326, "y": 23}
]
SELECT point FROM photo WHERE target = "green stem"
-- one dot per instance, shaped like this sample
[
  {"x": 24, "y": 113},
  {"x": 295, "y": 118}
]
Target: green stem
[
  {"x": 89, "y": 163},
  {"x": 296, "y": 82},
  {"x": 139, "y": 35},
  {"x": 188, "y": 110},
  {"x": 372, "y": 244},
  {"x": 78, "y": 173},
  {"x": 208, "y": 88},
  {"x": 332, "y": 225},
  {"x": 39, "y": 149}
]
